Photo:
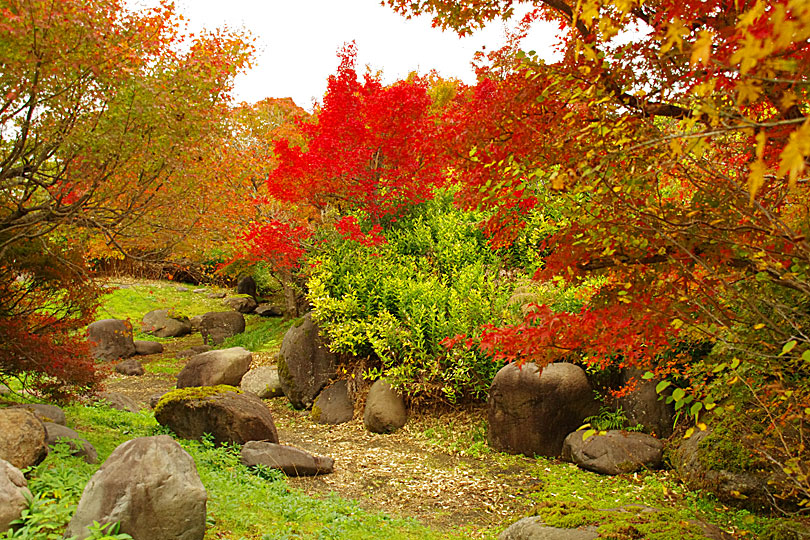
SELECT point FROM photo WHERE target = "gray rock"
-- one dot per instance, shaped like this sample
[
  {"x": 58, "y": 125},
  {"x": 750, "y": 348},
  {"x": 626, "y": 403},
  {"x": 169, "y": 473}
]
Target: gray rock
[
  {"x": 533, "y": 528},
  {"x": 119, "y": 401},
  {"x": 165, "y": 323},
  {"x": 226, "y": 366},
  {"x": 228, "y": 416},
  {"x": 269, "y": 310},
  {"x": 305, "y": 364},
  {"x": 532, "y": 414},
  {"x": 291, "y": 461},
  {"x": 181, "y": 289},
  {"x": 130, "y": 367},
  {"x": 4, "y": 389},
  {"x": 22, "y": 438},
  {"x": 151, "y": 487},
  {"x": 334, "y": 405},
  {"x": 14, "y": 494},
  {"x": 217, "y": 326},
  {"x": 385, "y": 409},
  {"x": 195, "y": 323},
  {"x": 247, "y": 285},
  {"x": 192, "y": 351},
  {"x": 263, "y": 382},
  {"x": 144, "y": 348},
  {"x": 242, "y": 304},
  {"x": 45, "y": 412},
  {"x": 216, "y": 295},
  {"x": 199, "y": 291},
  {"x": 642, "y": 406},
  {"x": 110, "y": 339},
  {"x": 79, "y": 445},
  {"x": 614, "y": 452}
]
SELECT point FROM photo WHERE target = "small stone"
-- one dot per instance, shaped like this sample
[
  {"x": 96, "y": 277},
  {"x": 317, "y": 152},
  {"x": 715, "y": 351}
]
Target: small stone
[
  {"x": 46, "y": 412},
  {"x": 385, "y": 410},
  {"x": 212, "y": 368},
  {"x": 192, "y": 351},
  {"x": 144, "y": 348},
  {"x": 119, "y": 401},
  {"x": 333, "y": 405},
  {"x": 242, "y": 304},
  {"x": 291, "y": 461},
  {"x": 181, "y": 289},
  {"x": 533, "y": 528},
  {"x": 199, "y": 291},
  {"x": 262, "y": 381},
  {"x": 79, "y": 445},
  {"x": 154, "y": 399},
  {"x": 216, "y": 295},
  {"x": 130, "y": 367},
  {"x": 614, "y": 452}
]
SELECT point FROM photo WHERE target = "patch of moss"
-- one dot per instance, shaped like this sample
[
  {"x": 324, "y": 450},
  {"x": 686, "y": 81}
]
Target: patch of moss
[
  {"x": 315, "y": 414},
  {"x": 721, "y": 451},
  {"x": 193, "y": 392}
]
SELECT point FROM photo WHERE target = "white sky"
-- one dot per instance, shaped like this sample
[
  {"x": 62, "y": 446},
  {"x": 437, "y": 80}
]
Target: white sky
[{"x": 298, "y": 41}]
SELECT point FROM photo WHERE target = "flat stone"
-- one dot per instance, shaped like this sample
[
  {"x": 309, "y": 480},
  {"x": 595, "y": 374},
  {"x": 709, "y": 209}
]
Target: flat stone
[
  {"x": 262, "y": 381},
  {"x": 119, "y": 401},
  {"x": 130, "y": 367},
  {"x": 292, "y": 461},
  {"x": 45, "y": 412},
  {"x": 614, "y": 452},
  {"x": 212, "y": 368},
  {"x": 144, "y": 348},
  {"x": 533, "y": 528},
  {"x": 79, "y": 445}
]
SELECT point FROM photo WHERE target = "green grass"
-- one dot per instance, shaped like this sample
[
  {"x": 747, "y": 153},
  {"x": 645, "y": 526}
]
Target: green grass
[{"x": 261, "y": 334}]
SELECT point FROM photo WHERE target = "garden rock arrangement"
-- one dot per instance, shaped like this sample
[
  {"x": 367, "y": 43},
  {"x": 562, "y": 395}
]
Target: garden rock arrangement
[
  {"x": 291, "y": 461},
  {"x": 151, "y": 487},
  {"x": 165, "y": 323},
  {"x": 212, "y": 368},
  {"x": 80, "y": 446},
  {"x": 614, "y": 452},
  {"x": 533, "y": 528},
  {"x": 334, "y": 405},
  {"x": 14, "y": 494},
  {"x": 385, "y": 410},
  {"x": 263, "y": 382},
  {"x": 217, "y": 326},
  {"x": 532, "y": 413},
  {"x": 242, "y": 304},
  {"x": 223, "y": 411},
  {"x": 305, "y": 364},
  {"x": 22, "y": 438},
  {"x": 110, "y": 339}
]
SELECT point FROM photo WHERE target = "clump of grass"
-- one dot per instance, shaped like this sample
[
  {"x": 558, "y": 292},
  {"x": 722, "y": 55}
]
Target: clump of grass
[{"x": 260, "y": 335}]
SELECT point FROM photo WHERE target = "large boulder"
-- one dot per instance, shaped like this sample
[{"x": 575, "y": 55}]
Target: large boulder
[
  {"x": 532, "y": 413},
  {"x": 533, "y": 528},
  {"x": 242, "y": 304},
  {"x": 263, "y": 382},
  {"x": 247, "y": 285},
  {"x": 144, "y": 348},
  {"x": 305, "y": 364},
  {"x": 14, "y": 494},
  {"x": 110, "y": 339},
  {"x": 223, "y": 411},
  {"x": 151, "y": 487},
  {"x": 22, "y": 438},
  {"x": 291, "y": 461},
  {"x": 45, "y": 412},
  {"x": 643, "y": 406},
  {"x": 385, "y": 409},
  {"x": 79, "y": 446},
  {"x": 217, "y": 326},
  {"x": 212, "y": 368},
  {"x": 613, "y": 452},
  {"x": 130, "y": 367},
  {"x": 165, "y": 323},
  {"x": 334, "y": 405},
  {"x": 717, "y": 463}
]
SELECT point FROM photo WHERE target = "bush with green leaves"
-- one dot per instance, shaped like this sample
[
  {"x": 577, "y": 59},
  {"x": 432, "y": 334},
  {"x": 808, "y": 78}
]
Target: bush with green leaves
[{"x": 434, "y": 278}]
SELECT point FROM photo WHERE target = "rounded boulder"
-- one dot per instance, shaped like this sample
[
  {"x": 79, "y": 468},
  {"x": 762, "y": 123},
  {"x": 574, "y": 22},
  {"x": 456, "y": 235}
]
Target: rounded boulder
[
  {"x": 385, "y": 410},
  {"x": 212, "y": 368},
  {"x": 22, "y": 438},
  {"x": 110, "y": 339},
  {"x": 305, "y": 364}
]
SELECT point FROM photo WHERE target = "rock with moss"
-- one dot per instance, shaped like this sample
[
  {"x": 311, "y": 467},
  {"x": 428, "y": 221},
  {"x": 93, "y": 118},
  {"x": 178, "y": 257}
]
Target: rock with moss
[
  {"x": 212, "y": 368},
  {"x": 334, "y": 405},
  {"x": 305, "y": 364},
  {"x": 165, "y": 323},
  {"x": 150, "y": 486},
  {"x": 613, "y": 452},
  {"x": 229, "y": 415},
  {"x": 533, "y": 528},
  {"x": 716, "y": 462},
  {"x": 14, "y": 494}
]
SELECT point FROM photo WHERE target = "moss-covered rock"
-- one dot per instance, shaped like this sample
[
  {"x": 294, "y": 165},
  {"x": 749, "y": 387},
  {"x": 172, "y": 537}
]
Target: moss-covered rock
[{"x": 193, "y": 393}]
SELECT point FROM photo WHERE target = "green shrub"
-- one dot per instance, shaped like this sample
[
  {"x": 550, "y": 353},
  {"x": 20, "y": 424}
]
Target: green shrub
[{"x": 435, "y": 278}]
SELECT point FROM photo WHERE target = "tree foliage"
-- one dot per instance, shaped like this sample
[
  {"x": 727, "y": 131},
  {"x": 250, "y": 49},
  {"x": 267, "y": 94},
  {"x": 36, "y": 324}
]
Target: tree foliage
[{"x": 103, "y": 116}]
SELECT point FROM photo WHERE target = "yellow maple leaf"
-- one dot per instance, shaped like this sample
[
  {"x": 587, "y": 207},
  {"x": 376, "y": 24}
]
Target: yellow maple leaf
[{"x": 702, "y": 49}]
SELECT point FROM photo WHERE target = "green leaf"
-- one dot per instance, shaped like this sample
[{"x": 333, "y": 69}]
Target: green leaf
[
  {"x": 663, "y": 385},
  {"x": 588, "y": 433},
  {"x": 696, "y": 408},
  {"x": 649, "y": 375},
  {"x": 806, "y": 355},
  {"x": 678, "y": 394},
  {"x": 789, "y": 346}
]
